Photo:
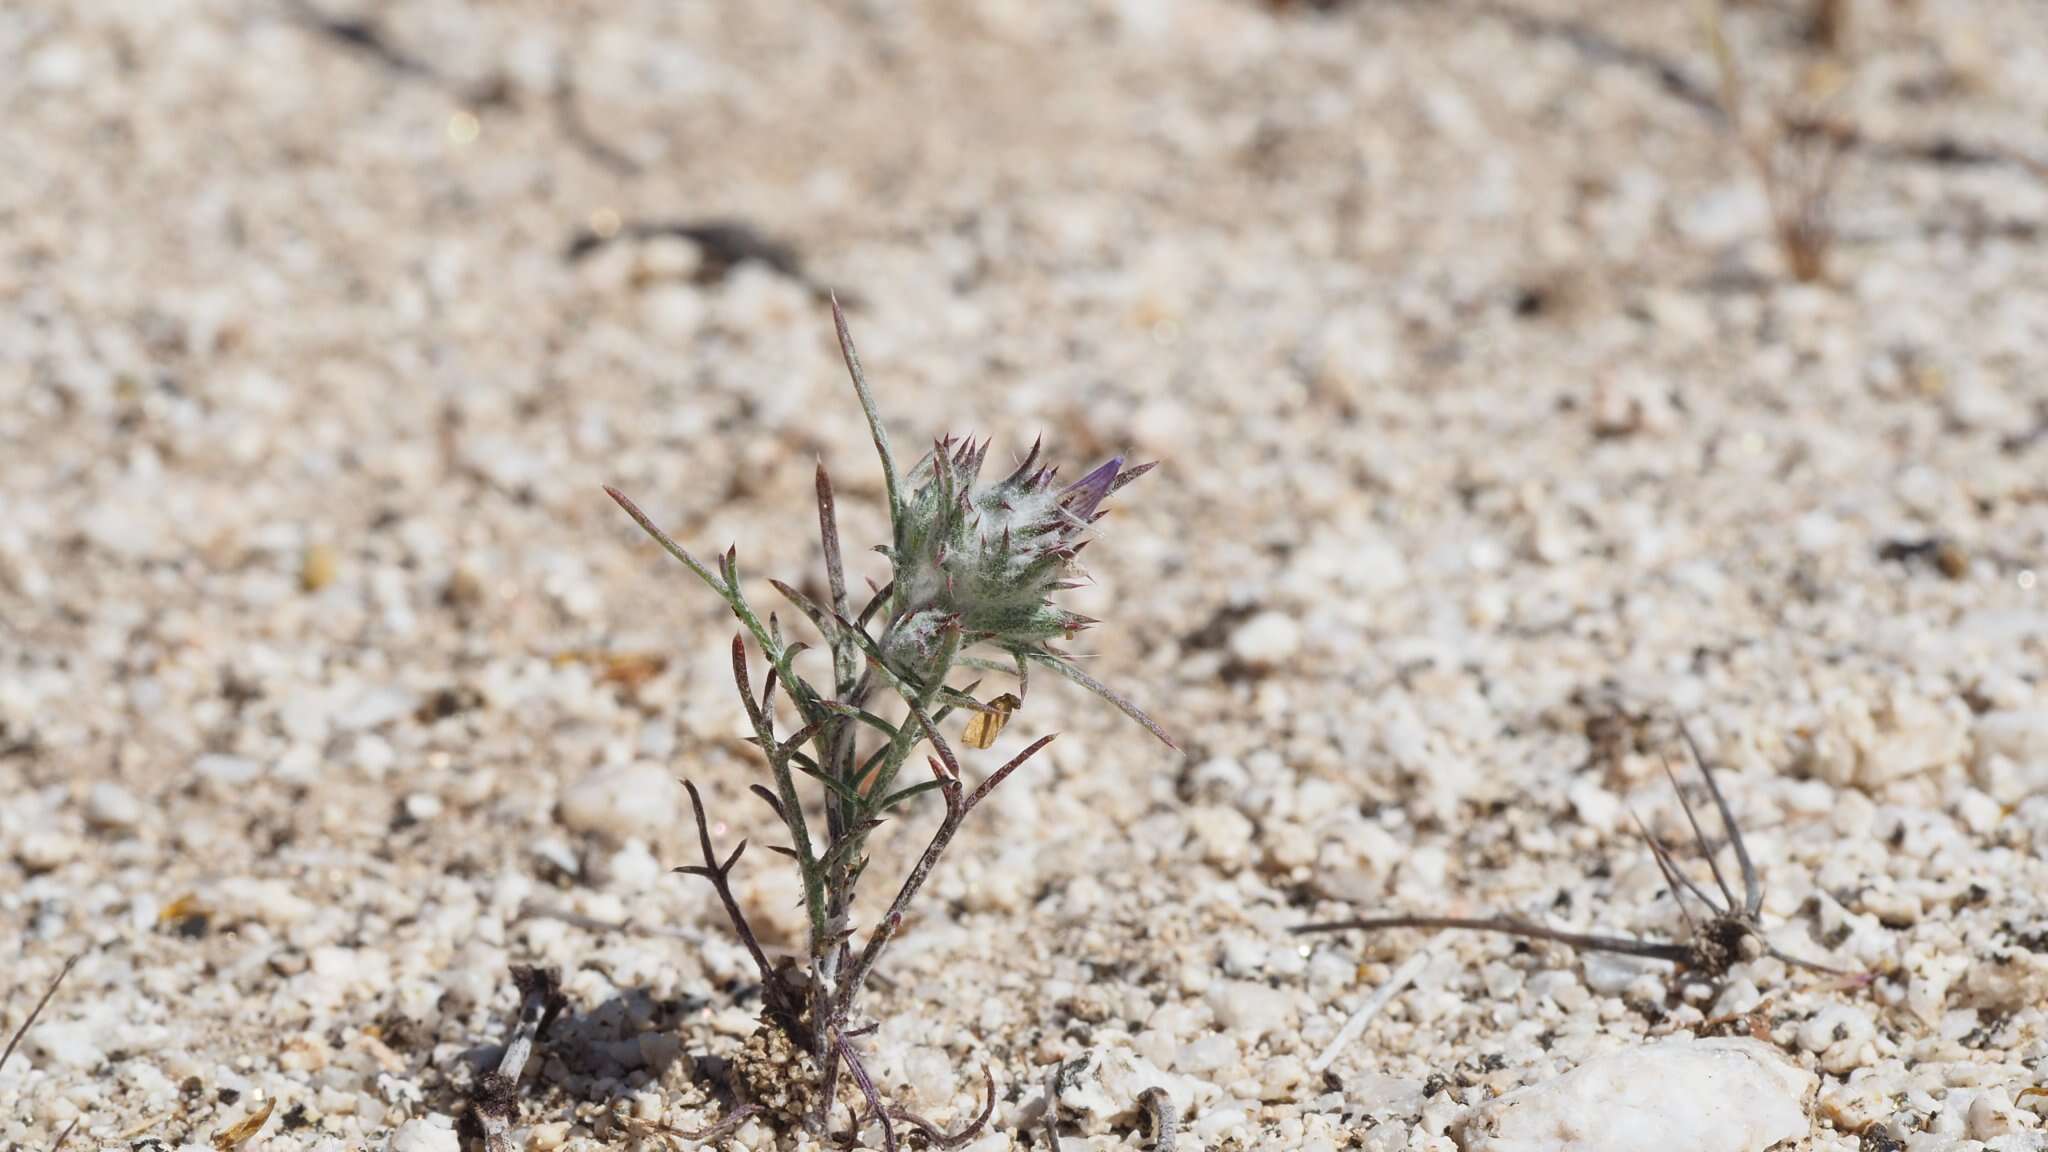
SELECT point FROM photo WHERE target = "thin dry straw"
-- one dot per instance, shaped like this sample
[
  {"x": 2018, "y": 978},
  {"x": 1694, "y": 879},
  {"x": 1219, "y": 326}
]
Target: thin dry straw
[{"x": 1375, "y": 1004}]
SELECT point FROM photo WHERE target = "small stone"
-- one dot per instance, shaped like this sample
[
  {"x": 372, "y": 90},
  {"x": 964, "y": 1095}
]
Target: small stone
[
  {"x": 1104, "y": 1085},
  {"x": 45, "y": 849},
  {"x": 112, "y": 807},
  {"x": 1719, "y": 1095},
  {"x": 1251, "y": 1008},
  {"x": 66, "y": 1044},
  {"x": 1840, "y": 1035},
  {"x": 1223, "y": 835},
  {"x": 1991, "y": 1116},
  {"x": 632, "y": 868},
  {"x": 2012, "y": 753},
  {"x": 425, "y": 1136},
  {"x": 1266, "y": 641},
  {"x": 624, "y": 802},
  {"x": 227, "y": 771},
  {"x": 1215, "y": 1052}
]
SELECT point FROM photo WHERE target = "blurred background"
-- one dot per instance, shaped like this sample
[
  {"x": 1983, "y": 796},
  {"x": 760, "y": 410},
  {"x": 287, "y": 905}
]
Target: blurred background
[{"x": 1521, "y": 370}]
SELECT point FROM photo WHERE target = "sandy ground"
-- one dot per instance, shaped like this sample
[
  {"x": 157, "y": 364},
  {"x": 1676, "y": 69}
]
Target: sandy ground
[{"x": 1494, "y": 436}]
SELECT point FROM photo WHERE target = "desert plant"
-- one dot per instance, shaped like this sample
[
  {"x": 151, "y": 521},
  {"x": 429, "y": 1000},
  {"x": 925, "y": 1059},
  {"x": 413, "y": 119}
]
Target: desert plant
[
  {"x": 974, "y": 566},
  {"x": 1730, "y": 933}
]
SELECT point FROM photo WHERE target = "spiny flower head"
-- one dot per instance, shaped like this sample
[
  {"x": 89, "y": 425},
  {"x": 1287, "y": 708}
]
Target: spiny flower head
[{"x": 987, "y": 557}]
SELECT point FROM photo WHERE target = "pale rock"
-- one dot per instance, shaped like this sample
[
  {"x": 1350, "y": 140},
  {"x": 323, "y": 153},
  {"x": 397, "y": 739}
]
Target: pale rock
[
  {"x": 66, "y": 1044},
  {"x": 1865, "y": 1099},
  {"x": 1250, "y": 1009},
  {"x": 1266, "y": 641},
  {"x": 2006, "y": 980},
  {"x": 425, "y": 1136},
  {"x": 1215, "y": 1123},
  {"x": 111, "y": 807},
  {"x": 227, "y": 772},
  {"x": 622, "y": 802},
  {"x": 1612, "y": 974},
  {"x": 1990, "y": 1116},
  {"x": 1223, "y": 836},
  {"x": 1978, "y": 812},
  {"x": 1242, "y": 955},
  {"x": 1215, "y": 1052},
  {"x": 632, "y": 868},
  {"x": 1282, "y": 1078},
  {"x": 376, "y": 708},
  {"x": 675, "y": 311},
  {"x": 1596, "y": 807},
  {"x": 931, "y": 1075},
  {"x": 1718, "y": 1095},
  {"x": 46, "y": 849},
  {"x": 2012, "y": 753},
  {"x": 1103, "y": 1086},
  {"x": 270, "y": 902},
  {"x": 1840, "y": 1034}
]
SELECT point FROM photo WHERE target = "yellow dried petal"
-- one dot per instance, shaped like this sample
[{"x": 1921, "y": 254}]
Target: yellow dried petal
[
  {"x": 318, "y": 567},
  {"x": 984, "y": 727},
  {"x": 238, "y": 1134}
]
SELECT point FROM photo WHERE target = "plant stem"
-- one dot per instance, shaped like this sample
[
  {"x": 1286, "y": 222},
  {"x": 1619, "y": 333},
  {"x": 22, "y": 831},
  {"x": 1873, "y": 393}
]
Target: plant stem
[{"x": 957, "y": 808}]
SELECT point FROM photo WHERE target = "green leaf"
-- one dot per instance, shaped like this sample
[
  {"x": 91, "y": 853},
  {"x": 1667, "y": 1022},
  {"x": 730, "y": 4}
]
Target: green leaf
[{"x": 912, "y": 792}]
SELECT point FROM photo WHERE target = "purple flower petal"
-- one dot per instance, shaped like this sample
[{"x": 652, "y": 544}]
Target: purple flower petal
[{"x": 1082, "y": 496}]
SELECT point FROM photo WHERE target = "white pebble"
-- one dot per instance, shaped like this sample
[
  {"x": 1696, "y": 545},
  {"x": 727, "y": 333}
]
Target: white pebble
[
  {"x": 1721, "y": 1095},
  {"x": 1266, "y": 641},
  {"x": 1105, "y": 1083},
  {"x": 45, "y": 849},
  {"x": 1991, "y": 1116},
  {"x": 425, "y": 1136},
  {"x": 622, "y": 802},
  {"x": 1223, "y": 835},
  {"x": 632, "y": 868},
  {"x": 112, "y": 807},
  {"x": 2012, "y": 753},
  {"x": 66, "y": 1044},
  {"x": 1840, "y": 1034},
  {"x": 227, "y": 771},
  {"x": 1252, "y": 1009}
]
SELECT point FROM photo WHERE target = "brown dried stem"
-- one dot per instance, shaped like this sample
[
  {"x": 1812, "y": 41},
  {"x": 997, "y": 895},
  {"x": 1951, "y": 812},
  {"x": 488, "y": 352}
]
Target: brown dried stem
[
  {"x": 1731, "y": 933},
  {"x": 773, "y": 991},
  {"x": 14, "y": 1041},
  {"x": 938, "y": 1137},
  {"x": 957, "y": 808}
]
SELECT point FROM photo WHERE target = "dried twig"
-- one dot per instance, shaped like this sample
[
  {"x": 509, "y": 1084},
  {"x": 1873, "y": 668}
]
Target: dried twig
[
  {"x": 1732, "y": 931},
  {"x": 938, "y": 1137},
  {"x": 14, "y": 1041},
  {"x": 876, "y": 1109},
  {"x": 1162, "y": 1116},
  {"x": 774, "y": 991},
  {"x": 1374, "y": 1005},
  {"x": 494, "y": 1103}
]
